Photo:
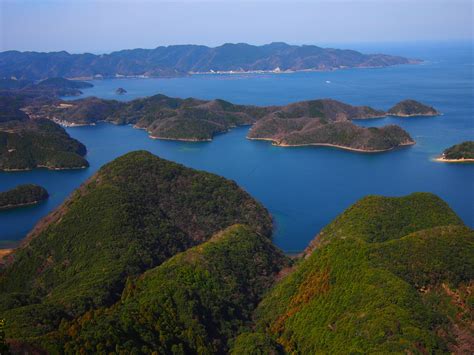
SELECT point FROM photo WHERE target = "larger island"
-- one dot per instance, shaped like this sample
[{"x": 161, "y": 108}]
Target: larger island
[
  {"x": 314, "y": 122},
  {"x": 150, "y": 256},
  {"x": 182, "y": 60}
]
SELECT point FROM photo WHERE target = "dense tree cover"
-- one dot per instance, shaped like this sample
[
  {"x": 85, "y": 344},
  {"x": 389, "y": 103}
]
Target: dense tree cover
[
  {"x": 196, "y": 302},
  {"x": 321, "y": 131},
  {"x": 412, "y": 108},
  {"x": 328, "y": 109},
  {"x": 22, "y": 195},
  {"x": 180, "y": 60},
  {"x": 379, "y": 218},
  {"x": 464, "y": 150},
  {"x": 135, "y": 213},
  {"x": 388, "y": 275},
  {"x": 29, "y": 144},
  {"x": 162, "y": 116},
  {"x": 323, "y": 121}
]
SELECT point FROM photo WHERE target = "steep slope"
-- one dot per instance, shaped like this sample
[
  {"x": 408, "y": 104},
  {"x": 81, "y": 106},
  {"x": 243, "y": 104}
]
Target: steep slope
[
  {"x": 195, "y": 302},
  {"x": 388, "y": 275},
  {"x": 184, "y": 59},
  {"x": 136, "y": 212}
]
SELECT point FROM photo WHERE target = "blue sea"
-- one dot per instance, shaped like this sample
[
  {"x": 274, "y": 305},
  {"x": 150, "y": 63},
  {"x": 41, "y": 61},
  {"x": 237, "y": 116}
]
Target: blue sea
[{"x": 303, "y": 188}]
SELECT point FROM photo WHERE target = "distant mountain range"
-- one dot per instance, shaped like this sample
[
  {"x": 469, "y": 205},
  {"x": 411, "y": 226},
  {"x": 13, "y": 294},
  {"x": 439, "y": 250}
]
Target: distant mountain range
[{"x": 180, "y": 60}]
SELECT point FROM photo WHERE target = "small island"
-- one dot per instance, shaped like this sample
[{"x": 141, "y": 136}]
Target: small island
[
  {"x": 22, "y": 195},
  {"x": 459, "y": 153},
  {"x": 411, "y": 108},
  {"x": 120, "y": 91}
]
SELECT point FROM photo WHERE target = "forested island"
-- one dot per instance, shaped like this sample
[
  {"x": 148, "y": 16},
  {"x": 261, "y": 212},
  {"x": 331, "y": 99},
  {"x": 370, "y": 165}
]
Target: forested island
[
  {"x": 328, "y": 123},
  {"x": 39, "y": 144},
  {"x": 314, "y": 122},
  {"x": 411, "y": 108},
  {"x": 459, "y": 153},
  {"x": 27, "y": 143},
  {"x": 180, "y": 60},
  {"x": 151, "y": 256},
  {"x": 22, "y": 195}
]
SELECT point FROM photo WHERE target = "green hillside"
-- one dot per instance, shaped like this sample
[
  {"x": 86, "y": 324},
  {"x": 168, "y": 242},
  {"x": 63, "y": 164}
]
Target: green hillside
[
  {"x": 30, "y": 144},
  {"x": 135, "y": 213},
  {"x": 388, "y": 275},
  {"x": 195, "y": 302}
]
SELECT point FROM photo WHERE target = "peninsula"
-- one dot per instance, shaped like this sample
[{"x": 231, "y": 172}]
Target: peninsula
[
  {"x": 314, "y": 122},
  {"x": 22, "y": 195},
  {"x": 51, "y": 87},
  {"x": 27, "y": 143},
  {"x": 459, "y": 153},
  {"x": 181, "y": 60}
]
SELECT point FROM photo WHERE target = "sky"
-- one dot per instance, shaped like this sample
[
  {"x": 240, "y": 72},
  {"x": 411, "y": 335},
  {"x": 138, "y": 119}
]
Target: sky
[{"x": 102, "y": 26}]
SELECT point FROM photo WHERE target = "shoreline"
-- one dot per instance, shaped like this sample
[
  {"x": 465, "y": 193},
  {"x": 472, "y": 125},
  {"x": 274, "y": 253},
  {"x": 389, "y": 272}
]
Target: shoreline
[
  {"x": 192, "y": 140},
  {"x": 234, "y": 72},
  {"x": 276, "y": 144},
  {"x": 10, "y": 207},
  {"x": 43, "y": 167},
  {"x": 444, "y": 160},
  {"x": 414, "y": 115}
]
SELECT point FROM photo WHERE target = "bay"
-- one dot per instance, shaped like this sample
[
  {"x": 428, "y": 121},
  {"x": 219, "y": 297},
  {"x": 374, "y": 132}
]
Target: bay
[{"x": 304, "y": 188}]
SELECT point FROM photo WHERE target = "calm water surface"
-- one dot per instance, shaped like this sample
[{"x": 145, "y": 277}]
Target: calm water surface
[{"x": 304, "y": 188}]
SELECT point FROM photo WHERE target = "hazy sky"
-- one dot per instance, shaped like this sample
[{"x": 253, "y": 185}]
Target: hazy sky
[{"x": 106, "y": 25}]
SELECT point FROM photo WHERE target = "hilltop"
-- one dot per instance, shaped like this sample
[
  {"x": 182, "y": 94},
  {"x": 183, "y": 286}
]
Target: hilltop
[
  {"x": 388, "y": 275},
  {"x": 199, "y": 300},
  {"x": 132, "y": 215},
  {"x": 179, "y": 60}
]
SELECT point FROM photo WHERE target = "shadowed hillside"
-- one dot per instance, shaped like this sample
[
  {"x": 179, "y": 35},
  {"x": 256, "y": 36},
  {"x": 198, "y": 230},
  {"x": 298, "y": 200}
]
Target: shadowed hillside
[{"x": 132, "y": 215}]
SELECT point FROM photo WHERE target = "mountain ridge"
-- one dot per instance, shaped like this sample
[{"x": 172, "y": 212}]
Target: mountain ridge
[{"x": 181, "y": 60}]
